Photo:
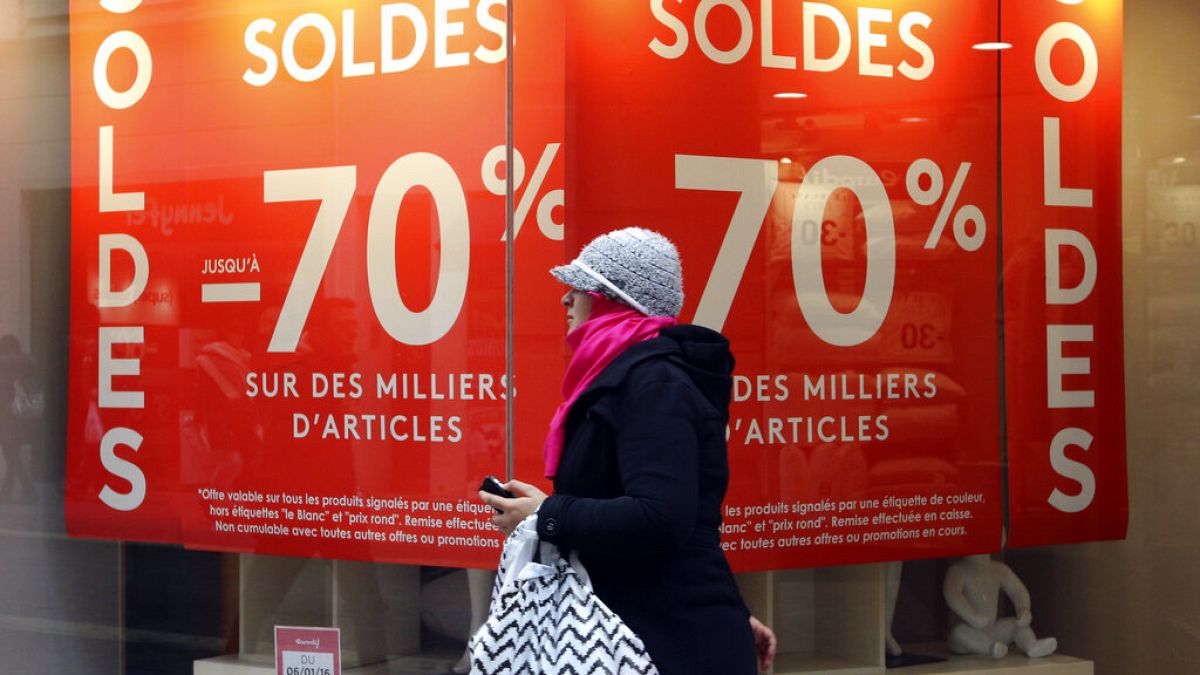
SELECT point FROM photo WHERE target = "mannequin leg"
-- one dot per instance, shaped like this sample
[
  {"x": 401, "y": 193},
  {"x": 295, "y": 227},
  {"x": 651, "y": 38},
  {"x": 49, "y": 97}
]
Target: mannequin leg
[
  {"x": 891, "y": 592},
  {"x": 967, "y": 640},
  {"x": 479, "y": 586},
  {"x": 1034, "y": 648}
]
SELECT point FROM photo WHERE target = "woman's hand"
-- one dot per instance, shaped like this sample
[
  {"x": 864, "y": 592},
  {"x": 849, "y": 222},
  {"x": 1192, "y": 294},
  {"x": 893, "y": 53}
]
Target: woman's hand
[
  {"x": 764, "y": 642},
  {"x": 527, "y": 501}
]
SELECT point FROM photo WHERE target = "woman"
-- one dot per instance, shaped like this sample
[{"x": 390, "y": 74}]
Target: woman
[{"x": 638, "y": 457}]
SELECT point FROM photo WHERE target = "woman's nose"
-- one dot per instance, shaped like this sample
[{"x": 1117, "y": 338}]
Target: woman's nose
[{"x": 566, "y": 299}]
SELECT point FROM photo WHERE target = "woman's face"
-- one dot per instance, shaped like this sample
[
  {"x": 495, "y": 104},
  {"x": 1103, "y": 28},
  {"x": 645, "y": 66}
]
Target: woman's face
[{"x": 579, "y": 308}]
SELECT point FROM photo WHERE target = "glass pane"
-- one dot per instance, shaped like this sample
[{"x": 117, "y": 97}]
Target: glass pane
[{"x": 288, "y": 305}]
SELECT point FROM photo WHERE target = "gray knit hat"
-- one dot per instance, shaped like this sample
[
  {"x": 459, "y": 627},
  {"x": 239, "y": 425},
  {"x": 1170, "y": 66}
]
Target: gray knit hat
[{"x": 637, "y": 266}]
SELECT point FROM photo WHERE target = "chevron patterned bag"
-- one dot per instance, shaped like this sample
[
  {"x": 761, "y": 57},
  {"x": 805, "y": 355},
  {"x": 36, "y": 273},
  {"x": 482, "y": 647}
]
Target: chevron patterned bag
[{"x": 546, "y": 620}]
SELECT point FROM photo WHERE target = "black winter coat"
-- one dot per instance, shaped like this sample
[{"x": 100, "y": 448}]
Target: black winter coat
[{"x": 638, "y": 494}]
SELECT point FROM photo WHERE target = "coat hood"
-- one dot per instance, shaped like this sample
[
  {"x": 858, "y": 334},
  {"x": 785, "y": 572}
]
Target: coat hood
[
  {"x": 707, "y": 360},
  {"x": 701, "y": 353}
]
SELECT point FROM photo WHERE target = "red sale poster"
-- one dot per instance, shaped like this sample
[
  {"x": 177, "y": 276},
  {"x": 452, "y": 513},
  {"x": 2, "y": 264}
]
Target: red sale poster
[
  {"x": 1061, "y": 111},
  {"x": 288, "y": 276},
  {"x": 828, "y": 171}
]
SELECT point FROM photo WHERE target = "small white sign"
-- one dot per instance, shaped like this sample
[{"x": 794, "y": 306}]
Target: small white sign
[{"x": 307, "y": 663}]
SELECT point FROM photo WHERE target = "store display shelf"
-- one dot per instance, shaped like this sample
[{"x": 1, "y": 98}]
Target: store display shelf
[{"x": 829, "y": 620}]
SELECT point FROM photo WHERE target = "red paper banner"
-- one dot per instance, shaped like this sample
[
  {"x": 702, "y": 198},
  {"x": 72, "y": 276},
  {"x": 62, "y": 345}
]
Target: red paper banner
[
  {"x": 829, "y": 173},
  {"x": 1061, "y": 111},
  {"x": 288, "y": 279}
]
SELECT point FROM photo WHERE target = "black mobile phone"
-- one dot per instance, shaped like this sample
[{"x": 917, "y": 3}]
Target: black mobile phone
[{"x": 492, "y": 484}]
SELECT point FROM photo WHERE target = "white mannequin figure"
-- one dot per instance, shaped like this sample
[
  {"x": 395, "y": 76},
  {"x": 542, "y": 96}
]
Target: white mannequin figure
[{"x": 972, "y": 591}]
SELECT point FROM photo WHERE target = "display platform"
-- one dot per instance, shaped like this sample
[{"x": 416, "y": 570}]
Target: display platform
[{"x": 1057, "y": 664}]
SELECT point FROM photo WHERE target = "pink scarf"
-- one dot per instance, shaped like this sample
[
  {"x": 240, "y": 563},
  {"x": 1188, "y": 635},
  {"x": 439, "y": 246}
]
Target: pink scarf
[{"x": 610, "y": 330}]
